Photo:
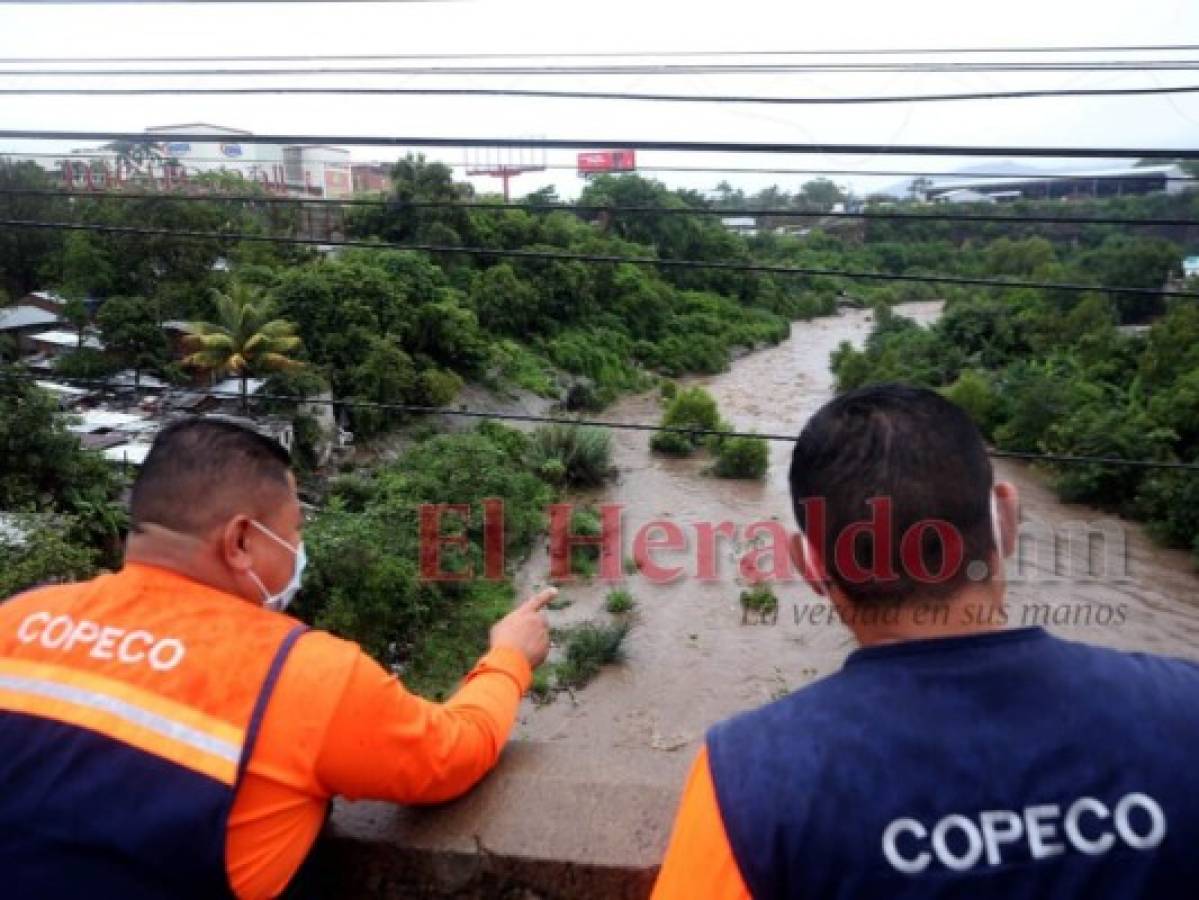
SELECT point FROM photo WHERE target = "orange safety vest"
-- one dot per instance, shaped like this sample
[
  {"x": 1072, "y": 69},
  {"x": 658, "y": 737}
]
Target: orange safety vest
[{"x": 129, "y": 707}]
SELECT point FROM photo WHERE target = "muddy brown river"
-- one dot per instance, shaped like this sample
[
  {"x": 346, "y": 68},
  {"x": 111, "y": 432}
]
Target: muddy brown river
[{"x": 690, "y": 661}]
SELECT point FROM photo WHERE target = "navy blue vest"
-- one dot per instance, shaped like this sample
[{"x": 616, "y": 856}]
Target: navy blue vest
[
  {"x": 86, "y": 816},
  {"x": 1007, "y": 765}
]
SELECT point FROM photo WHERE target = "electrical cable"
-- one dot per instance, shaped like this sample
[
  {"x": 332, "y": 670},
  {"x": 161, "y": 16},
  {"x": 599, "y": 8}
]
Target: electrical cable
[
  {"x": 605, "y": 95},
  {"x": 627, "y": 70},
  {"x": 463, "y": 412},
  {"x": 590, "y": 143},
  {"x": 598, "y": 54},
  {"x": 748, "y": 170},
  {"x": 565, "y": 256},
  {"x": 756, "y": 212}
]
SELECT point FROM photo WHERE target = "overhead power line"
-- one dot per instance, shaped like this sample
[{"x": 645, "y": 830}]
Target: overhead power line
[
  {"x": 624, "y": 70},
  {"x": 581, "y": 209},
  {"x": 566, "y": 256},
  {"x": 604, "y": 95},
  {"x": 716, "y": 170},
  {"x": 463, "y": 412},
  {"x": 882, "y": 173},
  {"x": 591, "y": 143},
  {"x": 193, "y": 2},
  {"x": 603, "y": 54}
]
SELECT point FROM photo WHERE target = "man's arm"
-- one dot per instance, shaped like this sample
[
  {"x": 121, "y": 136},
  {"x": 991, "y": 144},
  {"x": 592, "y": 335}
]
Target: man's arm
[
  {"x": 384, "y": 743},
  {"x": 699, "y": 862}
]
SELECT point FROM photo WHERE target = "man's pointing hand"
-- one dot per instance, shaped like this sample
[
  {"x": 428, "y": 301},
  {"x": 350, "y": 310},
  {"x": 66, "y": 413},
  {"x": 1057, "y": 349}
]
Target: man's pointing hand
[{"x": 526, "y": 629}]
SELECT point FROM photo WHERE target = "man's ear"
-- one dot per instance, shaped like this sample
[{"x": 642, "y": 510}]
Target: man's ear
[
  {"x": 1007, "y": 508},
  {"x": 809, "y": 565},
  {"x": 234, "y": 542}
]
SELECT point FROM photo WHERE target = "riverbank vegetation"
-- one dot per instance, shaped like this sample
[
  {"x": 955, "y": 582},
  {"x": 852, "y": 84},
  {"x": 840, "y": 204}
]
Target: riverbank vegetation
[
  {"x": 379, "y": 327},
  {"x": 1078, "y": 373}
]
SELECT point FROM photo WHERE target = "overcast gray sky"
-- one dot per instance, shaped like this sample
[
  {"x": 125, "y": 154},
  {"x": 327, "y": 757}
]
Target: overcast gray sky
[{"x": 531, "y": 25}]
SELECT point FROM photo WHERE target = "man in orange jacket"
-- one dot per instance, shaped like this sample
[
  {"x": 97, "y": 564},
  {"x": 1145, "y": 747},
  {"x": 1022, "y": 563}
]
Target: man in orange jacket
[{"x": 167, "y": 731}]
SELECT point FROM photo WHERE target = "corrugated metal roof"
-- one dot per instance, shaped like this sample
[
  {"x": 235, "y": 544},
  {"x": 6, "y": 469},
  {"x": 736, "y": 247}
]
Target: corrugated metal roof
[
  {"x": 60, "y": 338},
  {"x": 14, "y": 317}
]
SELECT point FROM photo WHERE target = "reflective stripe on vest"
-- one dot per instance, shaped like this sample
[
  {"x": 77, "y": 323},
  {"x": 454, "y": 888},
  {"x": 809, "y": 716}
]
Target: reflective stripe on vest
[
  {"x": 119, "y": 768},
  {"x": 134, "y": 716}
]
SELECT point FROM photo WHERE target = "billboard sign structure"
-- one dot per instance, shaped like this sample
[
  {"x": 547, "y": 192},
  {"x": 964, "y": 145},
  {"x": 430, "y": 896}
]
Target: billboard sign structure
[
  {"x": 603, "y": 161},
  {"x": 504, "y": 163}
]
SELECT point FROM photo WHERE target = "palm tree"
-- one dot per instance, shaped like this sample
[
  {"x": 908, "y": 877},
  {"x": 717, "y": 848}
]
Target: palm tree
[{"x": 244, "y": 339}]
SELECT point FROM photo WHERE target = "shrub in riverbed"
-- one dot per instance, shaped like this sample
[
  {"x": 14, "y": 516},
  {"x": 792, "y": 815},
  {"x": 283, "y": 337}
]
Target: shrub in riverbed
[
  {"x": 690, "y": 408},
  {"x": 578, "y": 455},
  {"x": 619, "y": 602},
  {"x": 759, "y": 599},
  {"x": 742, "y": 457},
  {"x": 589, "y": 647}
]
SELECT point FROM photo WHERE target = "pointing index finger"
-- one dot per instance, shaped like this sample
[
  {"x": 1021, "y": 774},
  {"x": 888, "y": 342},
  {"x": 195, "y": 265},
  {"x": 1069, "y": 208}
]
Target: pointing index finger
[{"x": 539, "y": 600}]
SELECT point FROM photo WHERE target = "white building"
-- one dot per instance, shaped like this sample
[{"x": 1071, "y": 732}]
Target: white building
[
  {"x": 964, "y": 195},
  {"x": 743, "y": 225},
  {"x": 166, "y": 158}
]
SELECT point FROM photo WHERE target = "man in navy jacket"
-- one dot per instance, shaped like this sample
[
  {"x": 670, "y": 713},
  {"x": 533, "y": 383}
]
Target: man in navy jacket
[{"x": 953, "y": 755}]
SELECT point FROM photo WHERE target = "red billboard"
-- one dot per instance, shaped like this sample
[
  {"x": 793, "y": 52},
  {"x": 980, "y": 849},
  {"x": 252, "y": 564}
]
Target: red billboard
[{"x": 601, "y": 161}]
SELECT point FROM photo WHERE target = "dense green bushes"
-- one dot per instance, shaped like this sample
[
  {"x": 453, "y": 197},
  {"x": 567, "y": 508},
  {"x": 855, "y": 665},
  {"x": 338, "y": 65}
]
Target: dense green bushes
[
  {"x": 363, "y": 579},
  {"x": 742, "y": 457},
  {"x": 736, "y": 457},
  {"x": 38, "y": 550},
  {"x": 689, "y": 408},
  {"x": 1043, "y": 373},
  {"x": 43, "y": 469}
]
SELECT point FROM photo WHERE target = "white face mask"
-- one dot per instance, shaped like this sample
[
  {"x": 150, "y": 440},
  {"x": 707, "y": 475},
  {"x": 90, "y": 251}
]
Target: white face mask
[{"x": 281, "y": 600}]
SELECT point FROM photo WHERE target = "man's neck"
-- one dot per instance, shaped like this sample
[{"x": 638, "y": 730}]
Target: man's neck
[
  {"x": 185, "y": 554},
  {"x": 977, "y": 609}
]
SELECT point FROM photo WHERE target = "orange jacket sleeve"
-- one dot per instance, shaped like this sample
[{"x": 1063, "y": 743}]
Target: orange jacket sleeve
[
  {"x": 699, "y": 863},
  {"x": 339, "y": 724},
  {"x": 384, "y": 743}
]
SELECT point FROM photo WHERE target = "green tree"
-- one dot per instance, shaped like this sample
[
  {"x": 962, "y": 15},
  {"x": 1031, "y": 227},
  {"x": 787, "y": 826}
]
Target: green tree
[
  {"x": 35, "y": 550},
  {"x": 820, "y": 194},
  {"x": 131, "y": 333},
  {"x": 385, "y": 375},
  {"x": 415, "y": 180},
  {"x": 503, "y": 302},
  {"x": 1020, "y": 257},
  {"x": 27, "y": 253},
  {"x": 43, "y": 467},
  {"x": 246, "y": 339},
  {"x": 87, "y": 269},
  {"x": 74, "y": 313}
]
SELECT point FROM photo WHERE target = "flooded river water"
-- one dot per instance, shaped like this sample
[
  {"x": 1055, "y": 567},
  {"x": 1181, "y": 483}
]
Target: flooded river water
[{"x": 689, "y": 659}]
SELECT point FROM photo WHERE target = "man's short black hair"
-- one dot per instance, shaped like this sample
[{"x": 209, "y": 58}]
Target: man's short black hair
[
  {"x": 909, "y": 445},
  {"x": 202, "y": 471}
]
